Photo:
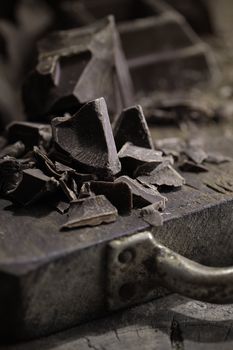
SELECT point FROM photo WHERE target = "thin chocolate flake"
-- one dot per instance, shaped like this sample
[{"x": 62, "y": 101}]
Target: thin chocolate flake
[
  {"x": 163, "y": 175},
  {"x": 44, "y": 163},
  {"x": 118, "y": 193},
  {"x": 171, "y": 146},
  {"x": 86, "y": 140},
  {"x": 33, "y": 186},
  {"x": 85, "y": 191},
  {"x": 141, "y": 195},
  {"x": 188, "y": 166},
  {"x": 196, "y": 154},
  {"x": 69, "y": 193},
  {"x": 92, "y": 211},
  {"x": 15, "y": 150},
  {"x": 131, "y": 126},
  {"x": 147, "y": 168},
  {"x": 151, "y": 215},
  {"x": 31, "y": 134}
]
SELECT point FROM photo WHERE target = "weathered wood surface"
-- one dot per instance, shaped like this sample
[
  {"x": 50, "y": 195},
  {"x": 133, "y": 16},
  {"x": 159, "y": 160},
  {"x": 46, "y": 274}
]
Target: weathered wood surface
[{"x": 172, "y": 322}]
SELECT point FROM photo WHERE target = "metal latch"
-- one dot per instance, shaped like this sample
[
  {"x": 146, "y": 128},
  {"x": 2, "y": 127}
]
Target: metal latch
[{"x": 139, "y": 268}]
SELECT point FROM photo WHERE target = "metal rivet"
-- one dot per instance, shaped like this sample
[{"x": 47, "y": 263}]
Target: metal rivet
[{"x": 126, "y": 256}]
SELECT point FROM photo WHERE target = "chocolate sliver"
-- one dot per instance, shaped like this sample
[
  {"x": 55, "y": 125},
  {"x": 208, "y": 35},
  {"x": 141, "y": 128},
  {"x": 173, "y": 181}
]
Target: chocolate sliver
[
  {"x": 163, "y": 176},
  {"x": 151, "y": 215},
  {"x": 92, "y": 211}
]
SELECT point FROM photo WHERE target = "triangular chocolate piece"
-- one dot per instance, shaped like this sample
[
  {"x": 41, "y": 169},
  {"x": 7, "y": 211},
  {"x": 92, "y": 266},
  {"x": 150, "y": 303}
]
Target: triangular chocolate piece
[
  {"x": 86, "y": 140},
  {"x": 131, "y": 126}
]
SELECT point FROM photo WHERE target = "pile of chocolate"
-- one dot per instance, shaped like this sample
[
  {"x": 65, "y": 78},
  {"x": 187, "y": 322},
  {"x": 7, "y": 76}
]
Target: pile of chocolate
[{"x": 92, "y": 171}]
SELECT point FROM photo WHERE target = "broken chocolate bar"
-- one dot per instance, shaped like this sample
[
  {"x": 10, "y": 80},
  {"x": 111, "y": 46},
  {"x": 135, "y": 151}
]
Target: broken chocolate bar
[
  {"x": 92, "y": 211},
  {"x": 31, "y": 134},
  {"x": 141, "y": 195},
  {"x": 118, "y": 193},
  {"x": 34, "y": 185},
  {"x": 86, "y": 140},
  {"x": 131, "y": 126},
  {"x": 72, "y": 67},
  {"x": 163, "y": 175}
]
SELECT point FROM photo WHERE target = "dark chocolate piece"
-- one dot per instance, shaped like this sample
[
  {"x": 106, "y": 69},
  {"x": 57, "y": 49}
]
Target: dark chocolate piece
[
  {"x": 196, "y": 154},
  {"x": 92, "y": 211},
  {"x": 34, "y": 185},
  {"x": 15, "y": 150},
  {"x": 141, "y": 195},
  {"x": 170, "y": 146},
  {"x": 69, "y": 193},
  {"x": 132, "y": 157},
  {"x": 118, "y": 193},
  {"x": 188, "y": 166},
  {"x": 86, "y": 140},
  {"x": 10, "y": 174},
  {"x": 151, "y": 215},
  {"x": 72, "y": 68},
  {"x": 217, "y": 158},
  {"x": 85, "y": 191},
  {"x": 45, "y": 164},
  {"x": 131, "y": 126},
  {"x": 163, "y": 175},
  {"x": 31, "y": 134}
]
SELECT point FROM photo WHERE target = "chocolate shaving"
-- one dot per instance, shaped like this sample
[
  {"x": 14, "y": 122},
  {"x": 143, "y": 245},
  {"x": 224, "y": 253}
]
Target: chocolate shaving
[{"x": 151, "y": 215}]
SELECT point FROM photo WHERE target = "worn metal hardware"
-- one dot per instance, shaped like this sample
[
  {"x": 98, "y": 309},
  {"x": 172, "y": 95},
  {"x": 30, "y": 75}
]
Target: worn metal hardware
[{"x": 137, "y": 265}]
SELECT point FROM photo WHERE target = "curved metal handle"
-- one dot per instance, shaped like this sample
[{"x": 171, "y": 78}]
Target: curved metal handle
[{"x": 139, "y": 266}]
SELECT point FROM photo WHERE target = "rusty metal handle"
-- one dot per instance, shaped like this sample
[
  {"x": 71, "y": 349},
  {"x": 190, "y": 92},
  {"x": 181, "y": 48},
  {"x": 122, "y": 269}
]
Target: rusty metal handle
[
  {"x": 191, "y": 279},
  {"x": 139, "y": 266}
]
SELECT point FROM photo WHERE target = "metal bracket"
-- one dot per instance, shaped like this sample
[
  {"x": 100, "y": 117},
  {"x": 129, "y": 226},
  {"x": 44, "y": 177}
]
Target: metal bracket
[
  {"x": 129, "y": 271},
  {"x": 139, "y": 266}
]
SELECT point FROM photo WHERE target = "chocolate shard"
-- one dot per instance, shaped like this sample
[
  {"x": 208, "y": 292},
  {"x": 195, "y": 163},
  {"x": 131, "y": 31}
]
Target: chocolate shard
[
  {"x": 10, "y": 174},
  {"x": 191, "y": 167},
  {"x": 151, "y": 215},
  {"x": 92, "y": 211},
  {"x": 141, "y": 195},
  {"x": 118, "y": 193},
  {"x": 69, "y": 193},
  {"x": 72, "y": 67},
  {"x": 131, "y": 126},
  {"x": 217, "y": 158},
  {"x": 196, "y": 154},
  {"x": 45, "y": 163},
  {"x": 86, "y": 140},
  {"x": 163, "y": 175},
  {"x": 85, "y": 191},
  {"x": 15, "y": 150},
  {"x": 33, "y": 186},
  {"x": 31, "y": 134},
  {"x": 147, "y": 168},
  {"x": 132, "y": 157}
]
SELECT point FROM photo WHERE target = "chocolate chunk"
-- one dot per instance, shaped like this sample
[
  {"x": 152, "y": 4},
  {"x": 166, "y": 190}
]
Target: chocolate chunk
[
  {"x": 34, "y": 185},
  {"x": 10, "y": 174},
  {"x": 15, "y": 150},
  {"x": 142, "y": 196},
  {"x": 72, "y": 67},
  {"x": 188, "y": 166},
  {"x": 196, "y": 154},
  {"x": 118, "y": 193},
  {"x": 163, "y": 175},
  {"x": 131, "y": 126},
  {"x": 217, "y": 158},
  {"x": 147, "y": 168},
  {"x": 132, "y": 157},
  {"x": 45, "y": 164},
  {"x": 92, "y": 211},
  {"x": 31, "y": 134},
  {"x": 151, "y": 215},
  {"x": 86, "y": 140}
]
